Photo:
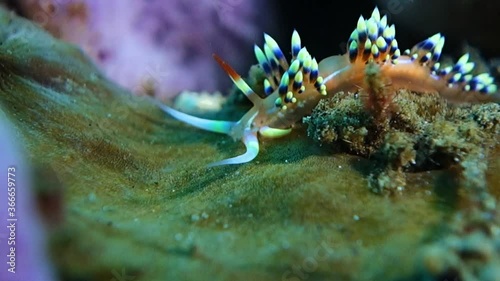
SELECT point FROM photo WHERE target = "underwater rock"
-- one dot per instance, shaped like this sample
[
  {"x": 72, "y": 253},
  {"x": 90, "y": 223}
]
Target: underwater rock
[
  {"x": 155, "y": 47},
  {"x": 141, "y": 205}
]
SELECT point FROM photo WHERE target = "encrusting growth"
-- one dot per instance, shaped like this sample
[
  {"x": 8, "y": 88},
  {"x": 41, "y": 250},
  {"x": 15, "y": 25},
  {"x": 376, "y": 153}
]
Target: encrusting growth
[{"x": 373, "y": 63}]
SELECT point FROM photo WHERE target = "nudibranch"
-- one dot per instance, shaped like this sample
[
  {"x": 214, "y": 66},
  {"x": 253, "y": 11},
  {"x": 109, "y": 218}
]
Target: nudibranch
[{"x": 293, "y": 88}]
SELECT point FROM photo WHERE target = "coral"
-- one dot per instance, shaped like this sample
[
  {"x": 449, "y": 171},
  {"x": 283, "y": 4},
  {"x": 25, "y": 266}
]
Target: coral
[{"x": 154, "y": 47}]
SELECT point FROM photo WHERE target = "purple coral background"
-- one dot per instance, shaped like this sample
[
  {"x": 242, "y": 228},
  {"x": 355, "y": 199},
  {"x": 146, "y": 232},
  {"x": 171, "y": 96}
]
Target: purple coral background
[
  {"x": 168, "y": 44},
  {"x": 171, "y": 42}
]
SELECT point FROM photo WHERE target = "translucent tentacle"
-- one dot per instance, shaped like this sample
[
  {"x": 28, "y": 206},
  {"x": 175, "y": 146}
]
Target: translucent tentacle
[
  {"x": 252, "y": 145},
  {"x": 223, "y": 127}
]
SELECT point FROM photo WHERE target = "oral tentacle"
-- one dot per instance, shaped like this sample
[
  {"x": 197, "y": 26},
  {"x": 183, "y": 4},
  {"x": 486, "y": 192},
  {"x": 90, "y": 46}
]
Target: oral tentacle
[
  {"x": 217, "y": 126},
  {"x": 252, "y": 150}
]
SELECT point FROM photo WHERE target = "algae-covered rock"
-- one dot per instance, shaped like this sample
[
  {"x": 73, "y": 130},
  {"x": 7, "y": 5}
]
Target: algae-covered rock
[{"x": 139, "y": 203}]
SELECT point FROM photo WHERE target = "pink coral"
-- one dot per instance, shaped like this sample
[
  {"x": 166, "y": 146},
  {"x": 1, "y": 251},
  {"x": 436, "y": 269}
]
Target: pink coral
[{"x": 155, "y": 47}]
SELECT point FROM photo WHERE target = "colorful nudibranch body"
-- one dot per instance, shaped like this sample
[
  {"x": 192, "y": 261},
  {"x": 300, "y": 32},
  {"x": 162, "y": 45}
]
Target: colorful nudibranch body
[{"x": 293, "y": 88}]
